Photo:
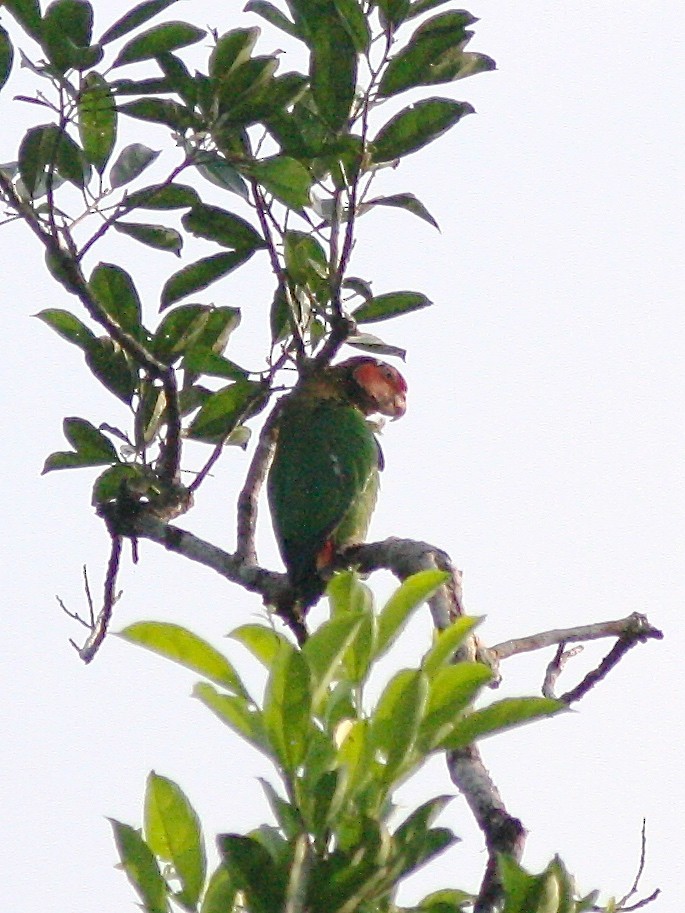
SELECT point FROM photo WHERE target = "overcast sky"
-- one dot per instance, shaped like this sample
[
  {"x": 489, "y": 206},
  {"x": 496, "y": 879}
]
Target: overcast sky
[{"x": 542, "y": 448}]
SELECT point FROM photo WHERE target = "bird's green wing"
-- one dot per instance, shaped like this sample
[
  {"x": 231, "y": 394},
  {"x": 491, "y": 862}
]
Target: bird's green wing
[{"x": 325, "y": 459}]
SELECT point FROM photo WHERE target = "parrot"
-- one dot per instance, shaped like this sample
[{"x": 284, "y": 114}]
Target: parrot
[{"x": 324, "y": 477}]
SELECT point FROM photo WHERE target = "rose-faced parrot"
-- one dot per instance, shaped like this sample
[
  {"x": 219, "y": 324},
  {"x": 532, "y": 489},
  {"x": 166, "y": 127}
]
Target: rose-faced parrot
[{"x": 323, "y": 481}]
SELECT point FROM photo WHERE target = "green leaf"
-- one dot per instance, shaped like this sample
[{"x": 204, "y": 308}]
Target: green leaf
[
  {"x": 91, "y": 447},
  {"x": 241, "y": 715},
  {"x": 173, "y": 833},
  {"x": 141, "y": 867},
  {"x": 499, "y": 716},
  {"x": 232, "y": 49},
  {"x": 68, "y": 326},
  {"x": 224, "y": 410},
  {"x": 97, "y": 120},
  {"x": 187, "y": 649},
  {"x": 394, "y": 11},
  {"x": 160, "y": 111},
  {"x": 452, "y": 689},
  {"x": 305, "y": 259},
  {"x": 135, "y": 17},
  {"x": 446, "y": 642},
  {"x": 219, "y": 172},
  {"x": 333, "y": 68},
  {"x": 254, "y": 872},
  {"x": 179, "y": 330},
  {"x": 287, "y": 706},
  {"x": 284, "y": 177},
  {"x": 131, "y": 162},
  {"x": 66, "y": 33},
  {"x": 395, "y": 722},
  {"x": 369, "y": 343},
  {"x": 273, "y": 15},
  {"x": 416, "y": 126},
  {"x": 411, "y": 594},
  {"x": 325, "y": 649},
  {"x": 405, "y": 201},
  {"x": 46, "y": 149},
  {"x": 113, "y": 289},
  {"x": 383, "y": 307},
  {"x": 108, "y": 362},
  {"x": 199, "y": 275},
  {"x": 27, "y": 14},
  {"x": 124, "y": 478},
  {"x": 163, "y": 196},
  {"x": 355, "y": 22},
  {"x": 264, "y": 643},
  {"x": 203, "y": 361},
  {"x": 6, "y": 56},
  {"x": 160, "y": 38},
  {"x": 224, "y": 227},
  {"x": 158, "y": 236},
  {"x": 220, "y": 894}
]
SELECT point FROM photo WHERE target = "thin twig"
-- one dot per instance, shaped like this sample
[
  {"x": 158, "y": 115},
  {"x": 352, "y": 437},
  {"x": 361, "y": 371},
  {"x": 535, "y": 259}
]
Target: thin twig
[
  {"x": 556, "y": 667},
  {"x": 99, "y": 629}
]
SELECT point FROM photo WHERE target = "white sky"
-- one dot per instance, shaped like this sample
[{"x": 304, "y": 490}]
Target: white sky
[{"x": 542, "y": 448}]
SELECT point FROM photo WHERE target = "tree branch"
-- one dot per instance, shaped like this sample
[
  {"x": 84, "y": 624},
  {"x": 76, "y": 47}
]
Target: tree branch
[{"x": 249, "y": 495}]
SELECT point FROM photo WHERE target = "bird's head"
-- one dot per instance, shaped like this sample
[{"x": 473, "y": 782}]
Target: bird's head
[{"x": 375, "y": 386}]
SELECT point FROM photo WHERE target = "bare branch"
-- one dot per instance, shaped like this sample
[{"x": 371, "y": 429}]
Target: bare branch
[
  {"x": 98, "y": 630},
  {"x": 249, "y": 495},
  {"x": 556, "y": 667},
  {"x": 635, "y": 626}
]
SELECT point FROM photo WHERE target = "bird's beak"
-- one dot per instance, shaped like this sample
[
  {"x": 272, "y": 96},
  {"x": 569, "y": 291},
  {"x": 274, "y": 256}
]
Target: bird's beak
[{"x": 395, "y": 406}]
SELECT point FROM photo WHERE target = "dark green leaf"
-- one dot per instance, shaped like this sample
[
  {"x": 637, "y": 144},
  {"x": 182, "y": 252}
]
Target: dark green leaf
[
  {"x": 109, "y": 364},
  {"x": 424, "y": 6},
  {"x": 224, "y": 410},
  {"x": 360, "y": 286},
  {"x": 156, "y": 85},
  {"x": 216, "y": 330},
  {"x": 131, "y": 161},
  {"x": 405, "y": 201},
  {"x": 279, "y": 316},
  {"x": 113, "y": 289},
  {"x": 124, "y": 477},
  {"x": 163, "y": 196},
  {"x": 241, "y": 715},
  {"x": 135, "y": 17},
  {"x": 68, "y": 326},
  {"x": 27, "y": 14},
  {"x": 273, "y": 15},
  {"x": 333, "y": 67},
  {"x": 447, "y": 900},
  {"x": 46, "y": 149},
  {"x": 382, "y": 307},
  {"x": 232, "y": 49},
  {"x": 157, "y": 236},
  {"x": 218, "y": 171},
  {"x": 220, "y": 894},
  {"x": 205, "y": 362},
  {"x": 141, "y": 867},
  {"x": 246, "y": 91},
  {"x": 159, "y": 111},
  {"x": 305, "y": 259},
  {"x": 183, "y": 647},
  {"x": 86, "y": 439},
  {"x": 224, "y": 227},
  {"x": 173, "y": 833},
  {"x": 254, "y": 872},
  {"x": 178, "y": 77},
  {"x": 6, "y": 56},
  {"x": 97, "y": 120},
  {"x": 160, "y": 38},
  {"x": 66, "y": 33},
  {"x": 500, "y": 716},
  {"x": 68, "y": 459},
  {"x": 200, "y": 274},
  {"x": 394, "y": 12},
  {"x": 179, "y": 330},
  {"x": 356, "y": 23},
  {"x": 416, "y": 126}
]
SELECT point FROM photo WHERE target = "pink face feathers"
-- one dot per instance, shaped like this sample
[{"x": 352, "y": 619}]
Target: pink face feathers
[{"x": 384, "y": 386}]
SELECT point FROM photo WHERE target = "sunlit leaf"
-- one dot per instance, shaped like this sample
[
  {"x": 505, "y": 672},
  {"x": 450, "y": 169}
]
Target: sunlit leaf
[
  {"x": 499, "y": 716},
  {"x": 163, "y": 196},
  {"x": 173, "y": 833},
  {"x": 141, "y": 868},
  {"x": 237, "y": 712},
  {"x": 220, "y": 894},
  {"x": 232, "y": 49},
  {"x": 395, "y": 721},
  {"x": 68, "y": 326},
  {"x": 284, "y": 177},
  {"x": 446, "y": 642},
  {"x": 411, "y": 594},
  {"x": 182, "y": 646},
  {"x": 287, "y": 705},
  {"x": 223, "y": 410}
]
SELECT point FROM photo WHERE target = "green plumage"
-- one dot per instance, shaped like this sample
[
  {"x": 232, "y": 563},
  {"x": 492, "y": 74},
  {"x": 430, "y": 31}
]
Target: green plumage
[{"x": 323, "y": 482}]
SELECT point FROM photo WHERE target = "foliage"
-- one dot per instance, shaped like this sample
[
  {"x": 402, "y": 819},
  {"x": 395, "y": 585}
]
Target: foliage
[{"x": 291, "y": 156}]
